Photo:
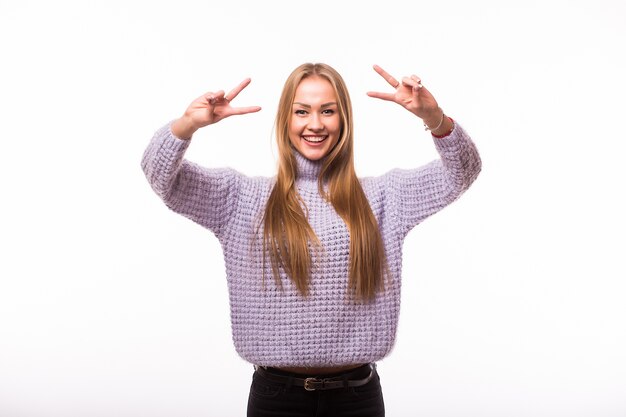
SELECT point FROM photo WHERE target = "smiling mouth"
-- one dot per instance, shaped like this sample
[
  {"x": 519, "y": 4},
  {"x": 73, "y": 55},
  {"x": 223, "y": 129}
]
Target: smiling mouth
[{"x": 315, "y": 139}]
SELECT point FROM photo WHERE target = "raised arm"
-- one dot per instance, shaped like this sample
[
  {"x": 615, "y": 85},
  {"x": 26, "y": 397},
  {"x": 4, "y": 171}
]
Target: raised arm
[
  {"x": 207, "y": 196},
  {"x": 421, "y": 192}
]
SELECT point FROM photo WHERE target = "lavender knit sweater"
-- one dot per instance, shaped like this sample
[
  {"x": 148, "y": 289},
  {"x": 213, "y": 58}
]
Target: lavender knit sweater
[{"x": 274, "y": 327}]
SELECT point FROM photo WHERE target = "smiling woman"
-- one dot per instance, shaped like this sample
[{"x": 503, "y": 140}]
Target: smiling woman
[
  {"x": 331, "y": 241},
  {"x": 315, "y": 125}
]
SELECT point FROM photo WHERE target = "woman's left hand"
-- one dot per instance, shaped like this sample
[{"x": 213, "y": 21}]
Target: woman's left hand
[{"x": 410, "y": 94}]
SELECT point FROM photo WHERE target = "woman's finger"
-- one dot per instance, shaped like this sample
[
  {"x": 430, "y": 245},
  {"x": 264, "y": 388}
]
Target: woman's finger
[
  {"x": 419, "y": 82},
  {"x": 235, "y": 91},
  {"x": 412, "y": 83},
  {"x": 213, "y": 98},
  {"x": 244, "y": 110},
  {"x": 390, "y": 79},
  {"x": 382, "y": 96}
]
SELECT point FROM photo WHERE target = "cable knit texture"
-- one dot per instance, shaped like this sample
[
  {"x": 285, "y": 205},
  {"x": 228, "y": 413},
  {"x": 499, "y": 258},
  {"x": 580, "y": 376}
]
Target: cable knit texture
[{"x": 280, "y": 327}]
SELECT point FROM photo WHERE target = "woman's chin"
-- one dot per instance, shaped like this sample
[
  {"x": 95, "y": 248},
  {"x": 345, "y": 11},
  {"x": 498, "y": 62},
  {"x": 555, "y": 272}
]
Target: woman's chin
[
  {"x": 313, "y": 155},
  {"x": 313, "y": 152}
]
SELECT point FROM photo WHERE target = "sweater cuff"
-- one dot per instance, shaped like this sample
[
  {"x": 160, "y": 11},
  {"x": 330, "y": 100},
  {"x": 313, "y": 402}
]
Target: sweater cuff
[
  {"x": 171, "y": 137},
  {"x": 167, "y": 149},
  {"x": 453, "y": 140}
]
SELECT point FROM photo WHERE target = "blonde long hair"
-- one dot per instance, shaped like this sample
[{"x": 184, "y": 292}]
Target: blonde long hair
[{"x": 287, "y": 231}]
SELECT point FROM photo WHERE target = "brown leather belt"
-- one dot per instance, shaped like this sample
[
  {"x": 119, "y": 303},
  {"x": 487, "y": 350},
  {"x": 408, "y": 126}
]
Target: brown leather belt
[{"x": 315, "y": 383}]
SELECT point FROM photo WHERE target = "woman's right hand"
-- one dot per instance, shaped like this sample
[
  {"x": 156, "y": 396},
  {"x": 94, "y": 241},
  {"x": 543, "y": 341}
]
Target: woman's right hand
[{"x": 210, "y": 108}]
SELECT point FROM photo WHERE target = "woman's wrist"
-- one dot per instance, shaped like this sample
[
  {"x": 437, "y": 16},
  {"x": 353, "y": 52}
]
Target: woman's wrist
[
  {"x": 434, "y": 120},
  {"x": 438, "y": 123},
  {"x": 182, "y": 128},
  {"x": 446, "y": 128}
]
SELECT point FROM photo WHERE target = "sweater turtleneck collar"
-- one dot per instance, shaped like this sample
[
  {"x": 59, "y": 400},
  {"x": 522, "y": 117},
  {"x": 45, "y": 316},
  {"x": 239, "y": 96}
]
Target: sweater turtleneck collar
[{"x": 307, "y": 170}]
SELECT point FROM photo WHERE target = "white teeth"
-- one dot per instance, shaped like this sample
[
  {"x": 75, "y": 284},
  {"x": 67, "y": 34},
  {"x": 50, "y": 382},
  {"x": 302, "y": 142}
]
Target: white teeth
[{"x": 315, "y": 139}]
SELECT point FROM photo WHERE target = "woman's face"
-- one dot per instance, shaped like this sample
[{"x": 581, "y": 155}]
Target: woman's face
[{"x": 315, "y": 124}]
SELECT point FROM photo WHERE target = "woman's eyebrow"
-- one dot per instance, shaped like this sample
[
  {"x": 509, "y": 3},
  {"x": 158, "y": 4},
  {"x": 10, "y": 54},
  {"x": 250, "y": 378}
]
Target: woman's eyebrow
[{"x": 308, "y": 106}]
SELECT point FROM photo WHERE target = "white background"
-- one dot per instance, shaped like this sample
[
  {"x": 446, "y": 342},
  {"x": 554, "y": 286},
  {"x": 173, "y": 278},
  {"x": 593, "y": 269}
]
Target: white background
[{"x": 513, "y": 297}]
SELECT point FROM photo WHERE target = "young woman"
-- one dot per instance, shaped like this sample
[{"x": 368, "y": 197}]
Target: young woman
[{"x": 313, "y": 255}]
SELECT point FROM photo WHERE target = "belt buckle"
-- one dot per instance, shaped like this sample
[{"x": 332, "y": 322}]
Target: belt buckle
[{"x": 308, "y": 383}]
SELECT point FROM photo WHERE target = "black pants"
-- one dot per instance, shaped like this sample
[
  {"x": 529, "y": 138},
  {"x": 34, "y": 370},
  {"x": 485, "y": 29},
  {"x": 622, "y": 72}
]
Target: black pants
[{"x": 274, "y": 399}]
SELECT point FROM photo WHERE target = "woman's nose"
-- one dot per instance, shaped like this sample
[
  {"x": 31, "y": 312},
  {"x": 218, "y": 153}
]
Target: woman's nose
[{"x": 315, "y": 122}]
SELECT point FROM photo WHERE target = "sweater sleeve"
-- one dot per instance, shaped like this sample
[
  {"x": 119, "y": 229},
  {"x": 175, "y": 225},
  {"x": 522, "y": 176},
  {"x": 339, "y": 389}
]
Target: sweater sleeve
[
  {"x": 421, "y": 192},
  {"x": 206, "y": 196}
]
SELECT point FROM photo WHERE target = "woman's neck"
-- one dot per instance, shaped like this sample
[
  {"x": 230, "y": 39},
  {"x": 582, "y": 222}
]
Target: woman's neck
[{"x": 308, "y": 170}]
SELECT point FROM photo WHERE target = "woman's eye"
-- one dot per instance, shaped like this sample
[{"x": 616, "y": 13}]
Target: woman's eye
[
  {"x": 300, "y": 112},
  {"x": 329, "y": 111}
]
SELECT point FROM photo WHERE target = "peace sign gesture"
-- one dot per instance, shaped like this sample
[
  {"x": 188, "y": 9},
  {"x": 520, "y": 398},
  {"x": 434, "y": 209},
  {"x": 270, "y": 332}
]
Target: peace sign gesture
[
  {"x": 210, "y": 108},
  {"x": 410, "y": 94}
]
